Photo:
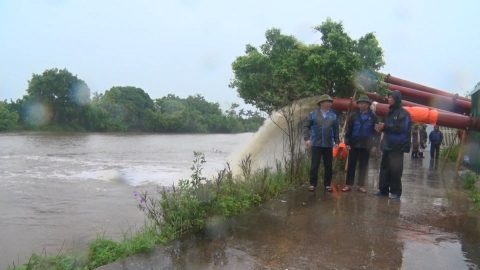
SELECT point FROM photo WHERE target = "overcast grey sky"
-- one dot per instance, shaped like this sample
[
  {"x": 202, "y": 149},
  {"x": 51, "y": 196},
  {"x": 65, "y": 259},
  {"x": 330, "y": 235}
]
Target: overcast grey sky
[{"x": 187, "y": 46}]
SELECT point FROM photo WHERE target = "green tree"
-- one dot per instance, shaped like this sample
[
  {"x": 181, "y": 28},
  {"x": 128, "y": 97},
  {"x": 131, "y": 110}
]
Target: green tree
[
  {"x": 195, "y": 114},
  {"x": 201, "y": 115},
  {"x": 273, "y": 77},
  {"x": 339, "y": 65},
  {"x": 63, "y": 95},
  {"x": 170, "y": 104},
  {"x": 172, "y": 107},
  {"x": 285, "y": 70},
  {"x": 370, "y": 52},
  {"x": 127, "y": 106},
  {"x": 231, "y": 112},
  {"x": 17, "y": 107},
  {"x": 99, "y": 119},
  {"x": 8, "y": 119}
]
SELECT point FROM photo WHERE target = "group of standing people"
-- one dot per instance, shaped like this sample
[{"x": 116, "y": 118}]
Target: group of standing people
[
  {"x": 365, "y": 134},
  {"x": 419, "y": 142}
]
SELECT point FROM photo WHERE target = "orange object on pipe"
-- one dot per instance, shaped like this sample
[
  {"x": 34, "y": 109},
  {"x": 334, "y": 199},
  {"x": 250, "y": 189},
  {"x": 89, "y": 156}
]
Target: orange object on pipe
[{"x": 423, "y": 115}]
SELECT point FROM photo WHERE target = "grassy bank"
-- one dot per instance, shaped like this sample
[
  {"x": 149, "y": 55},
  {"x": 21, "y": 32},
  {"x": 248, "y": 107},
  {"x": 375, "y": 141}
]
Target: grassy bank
[
  {"x": 178, "y": 210},
  {"x": 469, "y": 180},
  {"x": 452, "y": 157}
]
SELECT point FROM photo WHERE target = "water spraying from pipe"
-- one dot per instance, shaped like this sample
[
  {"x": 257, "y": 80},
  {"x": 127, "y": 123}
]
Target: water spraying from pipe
[{"x": 270, "y": 142}]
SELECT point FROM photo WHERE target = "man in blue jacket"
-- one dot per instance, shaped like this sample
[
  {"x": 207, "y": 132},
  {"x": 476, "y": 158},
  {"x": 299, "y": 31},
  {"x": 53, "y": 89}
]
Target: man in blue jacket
[
  {"x": 360, "y": 139},
  {"x": 397, "y": 128},
  {"x": 435, "y": 139},
  {"x": 320, "y": 132}
]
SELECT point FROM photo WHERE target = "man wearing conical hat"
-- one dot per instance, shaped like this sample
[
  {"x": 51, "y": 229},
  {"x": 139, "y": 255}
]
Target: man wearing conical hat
[
  {"x": 320, "y": 132},
  {"x": 360, "y": 138}
]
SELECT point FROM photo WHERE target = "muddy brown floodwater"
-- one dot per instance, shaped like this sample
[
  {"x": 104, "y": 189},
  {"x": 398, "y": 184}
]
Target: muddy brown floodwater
[
  {"x": 58, "y": 190},
  {"x": 430, "y": 227}
]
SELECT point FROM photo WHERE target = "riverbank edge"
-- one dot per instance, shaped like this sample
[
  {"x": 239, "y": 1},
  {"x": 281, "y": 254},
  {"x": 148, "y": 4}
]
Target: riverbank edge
[{"x": 185, "y": 208}]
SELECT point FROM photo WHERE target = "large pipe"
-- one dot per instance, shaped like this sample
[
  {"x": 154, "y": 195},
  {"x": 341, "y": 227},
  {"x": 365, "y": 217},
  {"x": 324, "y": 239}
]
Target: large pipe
[
  {"x": 401, "y": 82},
  {"x": 444, "y": 119},
  {"x": 378, "y": 98},
  {"x": 429, "y": 99},
  {"x": 409, "y": 101}
]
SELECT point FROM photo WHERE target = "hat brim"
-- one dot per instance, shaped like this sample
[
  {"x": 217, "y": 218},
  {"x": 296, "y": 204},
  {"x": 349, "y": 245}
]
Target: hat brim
[
  {"x": 369, "y": 102},
  {"x": 331, "y": 100}
]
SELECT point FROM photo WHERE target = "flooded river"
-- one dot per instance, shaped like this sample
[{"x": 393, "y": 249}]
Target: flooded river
[{"x": 63, "y": 189}]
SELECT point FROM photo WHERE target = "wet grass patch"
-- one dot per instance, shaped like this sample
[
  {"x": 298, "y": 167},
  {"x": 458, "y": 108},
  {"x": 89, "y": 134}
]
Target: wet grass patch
[
  {"x": 452, "y": 157},
  {"x": 61, "y": 260},
  {"x": 104, "y": 250},
  {"x": 178, "y": 210},
  {"x": 101, "y": 251},
  {"x": 469, "y": 182},
  {"x": 187, "y": 207}
]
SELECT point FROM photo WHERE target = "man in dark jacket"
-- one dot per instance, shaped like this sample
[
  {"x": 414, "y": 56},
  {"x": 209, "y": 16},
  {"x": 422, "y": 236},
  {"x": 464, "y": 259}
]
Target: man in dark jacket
[
  {"x": 360, "y": 139},
  {"x": 397, "y": 128},
  {"x": 323, "y": 126},
  {"x": 435, "y": 138},
  {"x": 423, "y": 139}
]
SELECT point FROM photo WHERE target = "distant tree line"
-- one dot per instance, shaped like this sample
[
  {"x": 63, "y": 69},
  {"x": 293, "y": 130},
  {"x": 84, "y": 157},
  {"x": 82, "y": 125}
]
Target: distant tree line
[{"x": 59, "y": 100}]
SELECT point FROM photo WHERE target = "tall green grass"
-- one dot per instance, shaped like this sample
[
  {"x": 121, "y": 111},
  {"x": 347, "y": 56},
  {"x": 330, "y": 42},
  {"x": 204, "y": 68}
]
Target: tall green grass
[{"x": 469, "y": 180}]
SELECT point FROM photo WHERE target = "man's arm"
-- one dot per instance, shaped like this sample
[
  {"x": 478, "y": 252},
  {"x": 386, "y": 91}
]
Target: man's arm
[
  {"x": 348, "y": 132},
  {"x": 376, "y": 135},
  {"x": 335, "y": 130},
  {"x": 307, "y": 126}
]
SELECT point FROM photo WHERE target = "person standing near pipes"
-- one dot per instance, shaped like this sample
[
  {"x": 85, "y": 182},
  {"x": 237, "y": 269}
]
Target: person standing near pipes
[
  {"x": 423, "y": 140},
  {"x": 415, "y": 142},
  {"x": 320, "y": 132},
  {"x": 435, "y": 139},
  {"x": 360, "y": 139},
  {"x": 397, "y": 127}
]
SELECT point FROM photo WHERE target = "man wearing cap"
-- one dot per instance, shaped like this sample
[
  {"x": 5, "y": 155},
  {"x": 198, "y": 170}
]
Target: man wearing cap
[
  {"x": 320, "y": 132},
  {"x": 396, "y": 141},
  {"x": 360, "y": 139}
]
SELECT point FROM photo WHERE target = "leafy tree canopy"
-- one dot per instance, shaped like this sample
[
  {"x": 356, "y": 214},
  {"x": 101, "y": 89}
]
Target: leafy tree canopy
[
  {"x": 8, "y": 119},
  {"x": 62, "y": 95},
  {"x": 283, "y": 69},
  {"x": 128, "y": 105}
]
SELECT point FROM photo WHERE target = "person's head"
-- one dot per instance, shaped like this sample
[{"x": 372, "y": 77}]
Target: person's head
[
  {"x": 325, "y": 102},
  {"x": 436, "y": 127},
  {"x": 391, "y": 100},
  {"x": 424, "y": 126},
  {"x": 415, "y": 127},
  {"x": 363, "y": 103},
  {"x": 395, "y": 98}
]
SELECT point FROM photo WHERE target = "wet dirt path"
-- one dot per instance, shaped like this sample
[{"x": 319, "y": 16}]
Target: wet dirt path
[{"x": 430, "y": 227}]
